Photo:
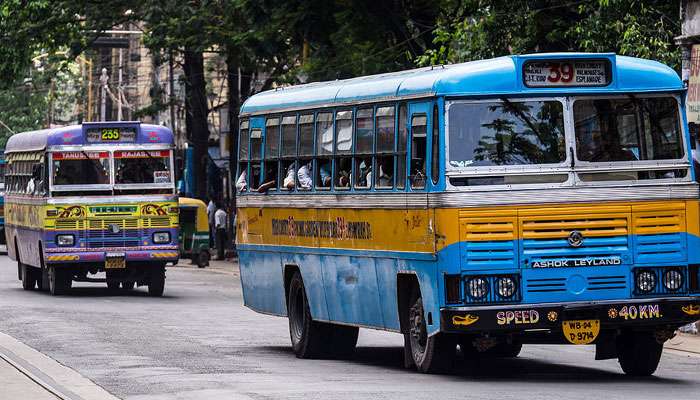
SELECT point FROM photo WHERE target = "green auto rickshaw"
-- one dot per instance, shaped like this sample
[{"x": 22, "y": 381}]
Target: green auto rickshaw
[{"x": 194, "y": 231}]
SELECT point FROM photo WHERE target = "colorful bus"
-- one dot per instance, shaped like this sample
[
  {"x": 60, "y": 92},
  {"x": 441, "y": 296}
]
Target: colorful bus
[
  {"x": 543, "y": 198},
  {"x": 3, "y": 246},
  {"x": 91, "y": 198}
]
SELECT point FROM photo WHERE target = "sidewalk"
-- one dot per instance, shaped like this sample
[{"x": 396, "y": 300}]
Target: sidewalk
[
  {"x": 26, "y": 373},
  {"x": 16, "y": 385},
  {"x": 228, "y": 266},
  {"x": 685, "y": 342}
]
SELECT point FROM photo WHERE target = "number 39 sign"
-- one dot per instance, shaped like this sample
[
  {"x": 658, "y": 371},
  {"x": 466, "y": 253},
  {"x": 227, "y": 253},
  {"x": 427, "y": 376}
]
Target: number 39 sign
[{"x": 565, "y": 73}]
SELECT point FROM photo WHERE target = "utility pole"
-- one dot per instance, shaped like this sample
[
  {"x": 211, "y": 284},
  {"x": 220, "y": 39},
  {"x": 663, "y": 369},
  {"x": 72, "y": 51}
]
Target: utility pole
[
  {"x": 120, "y": 87},
  {"x": 104, "y": 79},
  {"x": 171, "y": 97}
]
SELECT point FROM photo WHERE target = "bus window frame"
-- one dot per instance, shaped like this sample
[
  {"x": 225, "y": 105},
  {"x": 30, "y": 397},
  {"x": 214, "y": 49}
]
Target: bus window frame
[
  {"x": 243, "y": 125},
  {"x": 137, "y": 186},
  {"x": 97, "y": 187}
]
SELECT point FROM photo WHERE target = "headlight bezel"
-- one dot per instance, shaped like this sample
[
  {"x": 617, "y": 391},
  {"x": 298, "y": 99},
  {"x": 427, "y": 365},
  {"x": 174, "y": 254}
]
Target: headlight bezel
[
  {"x": 506, "y": 281},
  {"x": 649, "y": 284},
  {"x": 60, "y": 240},
  {"x": 678, "y": 278},
  {"x": 475, "y": 283},
  {"x": 156, "y": 238}
]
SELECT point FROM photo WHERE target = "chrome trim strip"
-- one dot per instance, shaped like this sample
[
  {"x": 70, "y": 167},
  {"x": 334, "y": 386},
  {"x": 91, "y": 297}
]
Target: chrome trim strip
[{"x": 579, "y": 194}]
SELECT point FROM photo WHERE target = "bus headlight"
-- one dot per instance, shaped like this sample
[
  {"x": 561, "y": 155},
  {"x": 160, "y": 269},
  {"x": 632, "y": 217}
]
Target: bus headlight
[
  {"x": 161, "y": 237},
  {"x": 478, "y": 287},
  {"x": 505, "y": 286},
  {"x": 646, "y": 281},
  {"x": 673, "y": 279},
  {"x": 65, "y": 240}
]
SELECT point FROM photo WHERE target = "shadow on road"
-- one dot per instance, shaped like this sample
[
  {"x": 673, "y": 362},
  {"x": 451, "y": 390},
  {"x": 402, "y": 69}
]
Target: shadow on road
[
  {"x": 101, "y": 292},
  {"x": 520, "y": 369}
]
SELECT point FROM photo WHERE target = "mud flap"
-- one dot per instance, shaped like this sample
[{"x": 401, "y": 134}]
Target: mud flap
[{"x": 606, "y": 347}]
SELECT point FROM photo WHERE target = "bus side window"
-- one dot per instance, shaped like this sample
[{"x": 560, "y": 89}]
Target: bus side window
[
  {"x": 435, "y": 143},
  {"x": 255, "y": 159},
  {"x": 343, "y": 150},
  {"x": 324, "y": 153},
  {"x": 401, "y": 148},
  {"x": 272, "y": 152},
  {"x": 386, "y": 134},
  {"x": 364, "y": 148},
  {"x": 304, "y": 179},
  {"x": 418, "y": 150},
  {"x": 242, "y": 180}
]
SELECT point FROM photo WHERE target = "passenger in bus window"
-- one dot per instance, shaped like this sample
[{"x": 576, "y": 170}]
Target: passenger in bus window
[
  {"x": 417, "y": 173},
  {"x": 304, "y": 175},
  {"x": 325, "y": 174},
  {"x": 288, "y": 182},
  {"x": 242, "y": 183},
  {"x": 364, "y": 175},
  {"x": 385, "y": 176},
  {"x": 270, "y": 178}
]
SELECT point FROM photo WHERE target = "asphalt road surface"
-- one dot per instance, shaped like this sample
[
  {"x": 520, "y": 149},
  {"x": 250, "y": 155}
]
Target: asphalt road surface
[{"x": 200, "y": 342}]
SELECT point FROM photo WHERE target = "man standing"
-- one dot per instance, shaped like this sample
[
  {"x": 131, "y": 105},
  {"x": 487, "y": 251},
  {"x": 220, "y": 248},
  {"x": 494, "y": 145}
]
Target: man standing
[
  {"x": 211, "y": 209},
  {"x": 220, "y": 224}
]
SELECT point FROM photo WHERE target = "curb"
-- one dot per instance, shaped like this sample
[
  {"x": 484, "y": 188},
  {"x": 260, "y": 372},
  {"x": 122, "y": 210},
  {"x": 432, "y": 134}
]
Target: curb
[{"x": 48, "y": 373}]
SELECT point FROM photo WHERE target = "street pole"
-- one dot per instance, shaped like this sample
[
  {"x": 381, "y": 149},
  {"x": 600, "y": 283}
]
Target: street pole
[
  {"x": 119, "y": 89},
  {"x": 103, "y": 106},
  {"x": 171, "y": 97}
]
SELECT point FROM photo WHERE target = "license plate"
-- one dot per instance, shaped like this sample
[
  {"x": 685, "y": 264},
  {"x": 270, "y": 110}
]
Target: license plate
[
  {"x": 582, "y": 331},
  {"x": 115, "y": 261}
]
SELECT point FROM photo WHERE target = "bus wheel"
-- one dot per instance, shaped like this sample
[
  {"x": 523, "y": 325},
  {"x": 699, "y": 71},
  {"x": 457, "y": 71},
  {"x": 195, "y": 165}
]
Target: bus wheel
[
  {"x": 432, "y": 354},
  {"x": 28, "y": 277},
  {"x": 638, "y": 353},
  {"x": 59, "y": 281},
  {"x": 307, "y": 335},
  {"x": 156, "y": 284},
  {"x": 128, "y": 285}
]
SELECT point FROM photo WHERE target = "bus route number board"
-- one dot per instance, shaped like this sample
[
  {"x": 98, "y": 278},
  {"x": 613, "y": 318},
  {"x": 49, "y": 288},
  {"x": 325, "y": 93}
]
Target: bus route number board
[
  {"x": 565, "y": 73},
  {"x": 111, "y": 135}
]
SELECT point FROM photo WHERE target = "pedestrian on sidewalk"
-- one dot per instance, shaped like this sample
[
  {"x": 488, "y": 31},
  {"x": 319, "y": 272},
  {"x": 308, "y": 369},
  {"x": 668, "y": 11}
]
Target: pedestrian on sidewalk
[
  {"x": 211, "y": 210},
  {"x": 220, "y": 223}
]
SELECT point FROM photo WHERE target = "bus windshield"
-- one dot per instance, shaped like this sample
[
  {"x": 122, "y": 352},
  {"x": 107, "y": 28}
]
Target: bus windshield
[
  {"x": 627, "y": 129},
  {"x": 81, "y": 168},
  {"x": 506, "y": 132},
  {"x": 139, "y": 167}
]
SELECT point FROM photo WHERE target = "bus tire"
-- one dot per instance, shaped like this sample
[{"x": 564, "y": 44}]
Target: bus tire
[
  {"x": 306, "y": 334},
  {"x": 342, "y": 340},
  {"x": 128, "y": 286},
  {"x": 28, "y": 277},
  {"x": 430, "y": 354},
  {"x": 638, "y": 353},
  {"x": 59, "y": 281},
  {"x": 156, "y": 285}
]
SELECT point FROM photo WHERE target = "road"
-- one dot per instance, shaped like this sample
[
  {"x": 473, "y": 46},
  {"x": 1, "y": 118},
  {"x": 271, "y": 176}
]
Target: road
[{"x": 200, "y": 342}]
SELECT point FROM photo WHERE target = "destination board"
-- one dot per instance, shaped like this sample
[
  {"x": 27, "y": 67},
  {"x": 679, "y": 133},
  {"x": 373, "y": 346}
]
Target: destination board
[
  {"x": 96, "y": 135},
  {"x": 566, "y": 73}
]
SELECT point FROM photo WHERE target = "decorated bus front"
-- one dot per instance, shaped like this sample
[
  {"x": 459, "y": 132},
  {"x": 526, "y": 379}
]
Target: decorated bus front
[{"x": 110, "y": 206}]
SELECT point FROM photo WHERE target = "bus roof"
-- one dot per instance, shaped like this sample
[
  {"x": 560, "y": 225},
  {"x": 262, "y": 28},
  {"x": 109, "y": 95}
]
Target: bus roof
[
  {"x": 74, "y": 135},
  {"x": 493, "y": 77}
]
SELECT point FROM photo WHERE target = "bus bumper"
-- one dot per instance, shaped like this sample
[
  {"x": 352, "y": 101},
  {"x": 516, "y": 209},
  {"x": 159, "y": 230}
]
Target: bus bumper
[
  {"x": 162, "y": 255},
  {"x": 671, "y": 312}
]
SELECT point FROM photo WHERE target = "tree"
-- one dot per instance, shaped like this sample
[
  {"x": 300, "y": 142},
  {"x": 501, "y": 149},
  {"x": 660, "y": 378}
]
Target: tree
[{"x": 477, "y": 29}]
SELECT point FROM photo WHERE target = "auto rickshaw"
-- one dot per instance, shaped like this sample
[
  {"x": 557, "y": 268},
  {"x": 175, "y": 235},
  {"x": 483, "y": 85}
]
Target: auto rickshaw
[{"x": 194, "y": 231}]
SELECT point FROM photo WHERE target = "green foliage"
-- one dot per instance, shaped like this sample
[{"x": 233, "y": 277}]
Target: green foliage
[{"x": 477, "y": 29}]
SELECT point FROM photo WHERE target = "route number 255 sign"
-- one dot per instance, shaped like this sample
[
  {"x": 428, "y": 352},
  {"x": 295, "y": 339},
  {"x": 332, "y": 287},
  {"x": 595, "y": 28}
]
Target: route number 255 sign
[{"x": 566, "y": 73}]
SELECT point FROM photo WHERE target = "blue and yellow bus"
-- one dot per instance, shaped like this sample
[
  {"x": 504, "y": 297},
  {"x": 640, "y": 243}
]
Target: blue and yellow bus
[
  {"x": 90, "y": 198},
  {"x": 544, "y": 198}
]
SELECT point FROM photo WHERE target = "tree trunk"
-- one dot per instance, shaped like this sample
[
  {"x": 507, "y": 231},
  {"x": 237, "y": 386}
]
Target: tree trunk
[
  {"x": 236, "y": 96},
  {"x": 196, "y": 119}
]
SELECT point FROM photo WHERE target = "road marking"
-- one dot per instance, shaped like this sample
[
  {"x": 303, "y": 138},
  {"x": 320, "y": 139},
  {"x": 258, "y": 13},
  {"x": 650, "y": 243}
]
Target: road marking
[{"x": 59, "y": 380}]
